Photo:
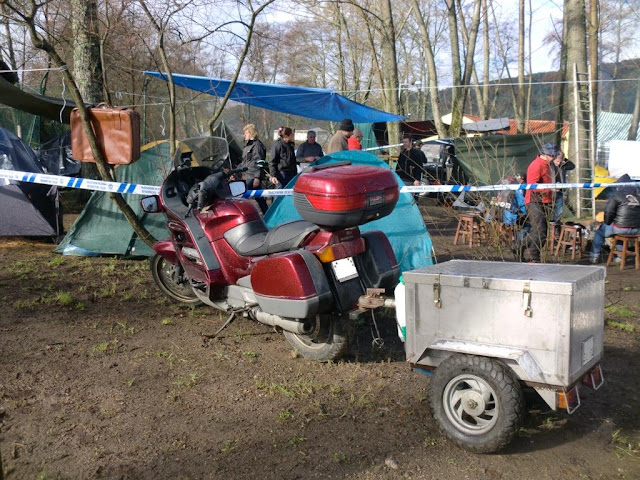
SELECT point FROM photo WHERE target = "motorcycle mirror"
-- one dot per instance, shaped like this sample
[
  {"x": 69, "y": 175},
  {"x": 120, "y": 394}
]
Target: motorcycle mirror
[
  {"x": 237, "y": 188},
  {"x": 150, "y": 204}
]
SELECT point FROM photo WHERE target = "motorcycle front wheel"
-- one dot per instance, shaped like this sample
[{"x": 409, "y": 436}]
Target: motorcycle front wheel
[
  {"x": 172, "y": 281},
  {"x": 328, "y": 341}
]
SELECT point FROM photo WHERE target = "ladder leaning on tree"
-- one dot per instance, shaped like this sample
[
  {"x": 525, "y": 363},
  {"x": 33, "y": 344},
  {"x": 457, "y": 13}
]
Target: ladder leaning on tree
[{"x": 584, "y": 135}]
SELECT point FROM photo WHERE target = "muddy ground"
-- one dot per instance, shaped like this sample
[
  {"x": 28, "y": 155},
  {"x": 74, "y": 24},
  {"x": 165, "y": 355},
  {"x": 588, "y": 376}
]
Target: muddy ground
[{"x": 102, "y": 377}]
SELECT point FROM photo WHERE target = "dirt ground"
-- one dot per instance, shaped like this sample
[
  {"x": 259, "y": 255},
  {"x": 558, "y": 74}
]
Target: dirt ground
[{"x": 104, "y": 378}]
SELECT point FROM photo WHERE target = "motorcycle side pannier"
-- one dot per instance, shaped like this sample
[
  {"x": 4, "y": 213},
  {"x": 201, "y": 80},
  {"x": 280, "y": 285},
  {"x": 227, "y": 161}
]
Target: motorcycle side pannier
[
  {"x": 117, "y": 132},
  {"x": 291, "y": 285},
  {"x": 342, "y": 196}
]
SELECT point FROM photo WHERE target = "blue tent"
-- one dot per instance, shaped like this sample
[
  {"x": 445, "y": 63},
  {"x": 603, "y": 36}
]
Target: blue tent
[
  {"x": 318, "y": 103},
  {"x": 404, "y": 227}
]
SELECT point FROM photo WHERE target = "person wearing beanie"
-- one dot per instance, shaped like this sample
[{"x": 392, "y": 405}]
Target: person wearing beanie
[
  {"x": 354, "y": 141},
  {"x": 538, "y": 202},
  {"x": 338, "y": 142}
]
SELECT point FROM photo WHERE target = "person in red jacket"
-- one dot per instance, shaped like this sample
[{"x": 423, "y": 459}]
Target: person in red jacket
[
  {"x": 354, "y": 142},
  {"x": 538, "y": 202}
]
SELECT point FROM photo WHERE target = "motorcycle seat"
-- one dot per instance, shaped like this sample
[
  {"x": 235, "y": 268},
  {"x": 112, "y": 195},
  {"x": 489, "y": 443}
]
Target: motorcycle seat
[{"x": 255, "y": 238}]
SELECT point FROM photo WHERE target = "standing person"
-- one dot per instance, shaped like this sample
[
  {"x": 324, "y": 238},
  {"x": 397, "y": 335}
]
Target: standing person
[
  {"x": 538, "y": 202},
  {"x": 560, "y": 166},
  {"x": 355, "y": 141},
  {"x": 338, "y": 142},
  {"x": 254, "y": 154},
  {"x": 410, "y": 163},
  {"x": 282, "y": 164},
  {"x": 621, "y": 215},
  {"x": 309, "y": 151}
]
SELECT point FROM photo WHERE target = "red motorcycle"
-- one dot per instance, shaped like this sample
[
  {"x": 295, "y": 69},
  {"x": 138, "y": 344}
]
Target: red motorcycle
[{"x": 305, "y": 278}]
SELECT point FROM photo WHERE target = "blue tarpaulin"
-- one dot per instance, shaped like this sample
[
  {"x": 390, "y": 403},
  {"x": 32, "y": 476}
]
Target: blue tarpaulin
[
  {"x": 404, "y": 227},
  {"x": 318, "y": 103}
]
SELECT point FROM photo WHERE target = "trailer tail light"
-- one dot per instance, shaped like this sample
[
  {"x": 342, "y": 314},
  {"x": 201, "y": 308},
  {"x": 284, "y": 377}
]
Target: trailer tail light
[
  {"x": 569, "y": 399},
  {"x": 594, "y": 379}
]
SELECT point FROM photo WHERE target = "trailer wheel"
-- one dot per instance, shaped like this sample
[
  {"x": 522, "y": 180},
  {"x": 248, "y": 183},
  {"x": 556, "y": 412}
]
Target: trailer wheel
[
  {"x": 477, "y": 402},
  {"x": 172, "y": 281},
  {"x": 328, "y": 341}
]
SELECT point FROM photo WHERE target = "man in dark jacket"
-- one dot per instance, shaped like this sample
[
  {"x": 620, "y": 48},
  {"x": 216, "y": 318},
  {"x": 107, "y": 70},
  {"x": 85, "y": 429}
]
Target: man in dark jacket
[
  {"x": 282, "y": 164},
  {"x": 254, "y": 154},
  {"x": 621, "y": 215},
  {"x": 559, "y": 168},
  {"x": 410, "y": 163},
  {"x": 310, "y": 150}
]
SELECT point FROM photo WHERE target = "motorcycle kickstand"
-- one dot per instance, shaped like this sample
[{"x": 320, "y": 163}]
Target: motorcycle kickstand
[{"x": 207, "y": 338}]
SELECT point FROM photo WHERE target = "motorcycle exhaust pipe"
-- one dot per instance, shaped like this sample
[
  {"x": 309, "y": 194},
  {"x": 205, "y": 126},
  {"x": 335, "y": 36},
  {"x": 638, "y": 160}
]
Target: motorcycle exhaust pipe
[{"x": 293, "y": 326}]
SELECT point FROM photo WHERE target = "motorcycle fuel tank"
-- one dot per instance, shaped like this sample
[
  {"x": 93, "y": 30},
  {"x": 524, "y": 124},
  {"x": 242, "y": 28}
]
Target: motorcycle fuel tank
[{"x": 342, "y": 196}]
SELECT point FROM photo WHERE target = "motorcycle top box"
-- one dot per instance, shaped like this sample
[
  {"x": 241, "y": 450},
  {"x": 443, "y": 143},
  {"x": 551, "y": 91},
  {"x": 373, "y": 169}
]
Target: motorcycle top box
[{"x": 338, "y": 195}]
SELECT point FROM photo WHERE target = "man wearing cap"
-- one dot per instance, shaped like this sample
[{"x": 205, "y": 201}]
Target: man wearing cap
[
  {"x": 338, "y": 142},
  {"x": 621, "y": 215},
  {"x": 538, "y": 202}
]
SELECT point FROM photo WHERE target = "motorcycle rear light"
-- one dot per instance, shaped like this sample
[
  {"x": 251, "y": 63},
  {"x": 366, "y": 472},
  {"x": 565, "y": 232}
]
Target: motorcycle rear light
[
  {"x": 338, "y": 251},
  {"x": 391, "y": 195},
  {"x": 337, "y": 204}
]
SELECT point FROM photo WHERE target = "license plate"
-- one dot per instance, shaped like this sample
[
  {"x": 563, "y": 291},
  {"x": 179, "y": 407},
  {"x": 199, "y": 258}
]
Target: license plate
[{"x": 344, "y": 269}]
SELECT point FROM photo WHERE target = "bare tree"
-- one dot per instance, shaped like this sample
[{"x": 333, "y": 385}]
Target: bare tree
[
  {"x": 432, "y": 73},
  {"x": 28, "y": 16},
  {"x": 461, "y": 78}
]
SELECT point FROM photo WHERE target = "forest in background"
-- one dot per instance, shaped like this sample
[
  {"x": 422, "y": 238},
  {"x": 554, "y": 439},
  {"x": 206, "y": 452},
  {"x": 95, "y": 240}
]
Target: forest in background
[{"x": 349, "y": 46}]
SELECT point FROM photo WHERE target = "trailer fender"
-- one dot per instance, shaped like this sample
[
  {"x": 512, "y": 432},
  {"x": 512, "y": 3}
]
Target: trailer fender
[{"x": 523, "y": 357}]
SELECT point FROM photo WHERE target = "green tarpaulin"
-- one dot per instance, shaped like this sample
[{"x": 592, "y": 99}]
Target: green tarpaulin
[
  {"x": 101, "y": 228},
  {"x": 487, "y": 160}
]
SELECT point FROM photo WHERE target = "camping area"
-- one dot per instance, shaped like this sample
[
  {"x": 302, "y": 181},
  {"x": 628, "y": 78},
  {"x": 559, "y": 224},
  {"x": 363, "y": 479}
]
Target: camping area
[
  {"x": 105, "y": 378},
  {"x": 319, "y": 239}
]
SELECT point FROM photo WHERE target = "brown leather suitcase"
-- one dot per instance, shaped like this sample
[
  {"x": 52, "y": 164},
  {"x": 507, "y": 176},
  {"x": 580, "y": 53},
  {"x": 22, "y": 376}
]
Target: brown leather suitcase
[{"x": 117, "y": 130}]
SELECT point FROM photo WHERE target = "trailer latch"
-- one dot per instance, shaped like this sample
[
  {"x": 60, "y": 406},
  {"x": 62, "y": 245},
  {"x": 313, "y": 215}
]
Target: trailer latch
[
  {"x": 436, "y": 293},
  {"x": 526, "y": 300}
]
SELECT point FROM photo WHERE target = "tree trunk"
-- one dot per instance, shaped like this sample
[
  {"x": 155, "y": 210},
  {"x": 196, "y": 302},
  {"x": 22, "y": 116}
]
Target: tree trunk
[
  {"x": 485, "y": 72},
  {"x": 633, "y": 131},
  {"x": 520, "y": 106},
  {"x": 160, "y": 30},
  {"x": 575, "y": 25},
  {"x": 87, "y": 68},
  {"x": 388, "y": 39},
  {"x": 457, "y": 110},
  {"x": 594, "y": 27},
  {"x": 41, "y": 43},
  {"x": 563, "y": 76},
  {"x": 616, "y": 63},
  {"x": 432, "y": 72}
]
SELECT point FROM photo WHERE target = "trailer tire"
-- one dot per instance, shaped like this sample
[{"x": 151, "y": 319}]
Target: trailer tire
[{"x": 477, "y": 402}]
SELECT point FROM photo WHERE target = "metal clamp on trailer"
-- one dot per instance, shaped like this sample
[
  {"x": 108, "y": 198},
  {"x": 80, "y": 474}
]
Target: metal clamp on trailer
[{"x": 486, "y": 329}]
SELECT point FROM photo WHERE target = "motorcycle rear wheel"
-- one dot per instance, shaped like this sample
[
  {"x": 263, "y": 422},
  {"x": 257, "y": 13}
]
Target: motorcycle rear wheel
[
  {"x": 328, "y": 341},
  {"x": 172, "y": 281}
]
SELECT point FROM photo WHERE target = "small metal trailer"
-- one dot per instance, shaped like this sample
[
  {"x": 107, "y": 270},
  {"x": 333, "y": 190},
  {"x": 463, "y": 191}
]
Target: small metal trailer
[{"x": 486, "y": 329}]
